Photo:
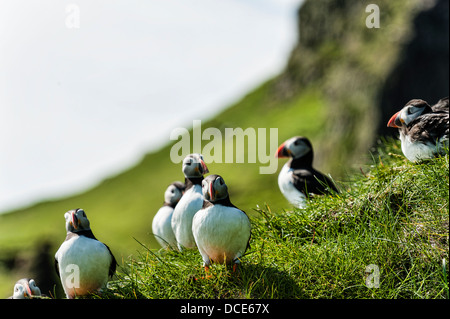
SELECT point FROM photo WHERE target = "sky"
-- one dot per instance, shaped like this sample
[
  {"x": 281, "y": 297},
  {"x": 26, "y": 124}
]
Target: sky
[{"x": 88, "y": 87}]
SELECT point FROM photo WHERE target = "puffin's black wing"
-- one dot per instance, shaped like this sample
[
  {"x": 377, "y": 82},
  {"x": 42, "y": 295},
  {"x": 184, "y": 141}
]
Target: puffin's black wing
[
  {"x": 57, "y": 267},
  {"x": 441, "y": 106},
  {"x": 429, "y": 128},
  {"x": 312, "y": 181},
  {"x": 248, "y": 242},
  {"x": 112, "y": 266}
]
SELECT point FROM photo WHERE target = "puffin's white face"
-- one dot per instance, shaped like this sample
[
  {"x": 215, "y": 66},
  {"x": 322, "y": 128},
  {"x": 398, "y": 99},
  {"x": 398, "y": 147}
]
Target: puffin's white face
[
  {"x": 408, "y": 113},
  {"x": 194, "y": 166},
  {"x": 294, "y": 147},
  {"x": 26, "y": 289},
  {"x": 214, "y": 188},
  {"x": 172, "y": 194},
  {"x": 76, "y": 220}
]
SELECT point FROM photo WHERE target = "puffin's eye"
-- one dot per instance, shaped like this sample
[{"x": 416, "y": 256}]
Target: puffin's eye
[{"x": 413, "y": 109}]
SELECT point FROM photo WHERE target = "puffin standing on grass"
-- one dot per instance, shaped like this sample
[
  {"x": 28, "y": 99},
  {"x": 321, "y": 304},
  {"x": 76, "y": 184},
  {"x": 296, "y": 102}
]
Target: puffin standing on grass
[
  {"x": 192, "y": 201},
  {"x": 83, "y": 263},
  {"x": 423, "y": 128},
  {"x": 162, "y": 221},
  {"x": 221, "y": 230},
  {"x": 298, "y": 178},
  {"x": 26, "y": 289}
]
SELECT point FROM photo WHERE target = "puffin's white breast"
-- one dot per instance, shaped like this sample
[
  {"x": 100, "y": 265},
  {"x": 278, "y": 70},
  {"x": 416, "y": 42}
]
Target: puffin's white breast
[
  {"x": 83, "y": 265},
  {"x": 162, "y": 227},
  {"x": 189, "y": 204},
  {"x": 415, "y": 151},
  {"x": 221, "y": 231},
  {"x": 287, "y": 188}
]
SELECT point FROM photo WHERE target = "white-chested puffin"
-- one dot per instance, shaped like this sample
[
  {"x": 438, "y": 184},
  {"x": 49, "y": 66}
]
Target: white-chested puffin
[
  {"x": 26, "y": 289},
  {"x": 192, "y": 201},
  {"x": 221, "y": 230},
  {"x": 83, "y": 263},
  {"x": 298, "y": 178},
  {"x": 423, "y": 128},
  {"x": 162, "y": 221}
]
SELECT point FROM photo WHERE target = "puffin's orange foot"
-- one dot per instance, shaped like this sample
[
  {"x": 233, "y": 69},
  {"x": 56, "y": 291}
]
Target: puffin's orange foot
[
  {"x": 207, "y": 273},
  {"x": 207, "y": 276}
]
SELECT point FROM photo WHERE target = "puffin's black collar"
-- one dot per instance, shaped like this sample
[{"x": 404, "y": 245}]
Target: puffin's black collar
[
  {"x": 86, "y": 233},
  {"x": 301, "y": 162},
  {"x": 170, "y": 204},
  {"x": 191, "y": 181},
  {"x": 224, "y": 202}
]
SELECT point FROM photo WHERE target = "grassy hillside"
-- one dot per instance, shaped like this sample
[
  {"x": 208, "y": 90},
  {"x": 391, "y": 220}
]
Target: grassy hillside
[{"x": 393, "y": 217}]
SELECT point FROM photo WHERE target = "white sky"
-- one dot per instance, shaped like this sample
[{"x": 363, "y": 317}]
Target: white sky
[{"x": 80, "y": 104}]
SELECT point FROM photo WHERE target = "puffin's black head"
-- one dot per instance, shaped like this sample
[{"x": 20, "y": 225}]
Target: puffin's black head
[
  {"x": 26, "y": 289},
  {"x": 194, "y": 166},
  {"x": 214, "y": 188},
  {"x": 174, "y": 192},
  {"x": 409, "y": 113},
  {"x": 76, "y": 221},
  {"x": 294, "y": 147}
]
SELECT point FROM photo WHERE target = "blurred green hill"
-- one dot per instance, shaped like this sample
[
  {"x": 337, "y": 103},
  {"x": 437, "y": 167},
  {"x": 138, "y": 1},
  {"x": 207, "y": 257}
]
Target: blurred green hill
[{"x": 340, "y": 85}]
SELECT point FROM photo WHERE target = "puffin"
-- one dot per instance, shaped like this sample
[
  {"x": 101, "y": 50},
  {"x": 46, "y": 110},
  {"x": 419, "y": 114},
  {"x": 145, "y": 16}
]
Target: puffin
[
  {"x": 221, "y": 230},
  {"x": 191, "y": 202},
  {"x": 423, "y": 128},
  {"x": 83, "y": 263},
  {"x": 298, "y": 178},
  {"x": 26, "y": 288},
  {"x": 162, "y": 221}
]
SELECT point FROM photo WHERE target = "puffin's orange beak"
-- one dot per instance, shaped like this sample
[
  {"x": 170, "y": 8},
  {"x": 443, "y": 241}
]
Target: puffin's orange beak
[
  {"x": 282, "y": 151},
  {"x": 204, "y": 167},
  {"x": 211, "y": 194},
  {"x": 393, "y": 122},
  {"x": 75, "y": 221},
  {"x": 28, "y": 290}
]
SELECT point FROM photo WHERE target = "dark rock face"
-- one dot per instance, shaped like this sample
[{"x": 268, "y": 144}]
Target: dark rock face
[{"x": 422, "y": 71}]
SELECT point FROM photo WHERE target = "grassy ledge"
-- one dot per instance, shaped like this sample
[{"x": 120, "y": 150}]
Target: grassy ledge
[{"x": 393, "y": 218}]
